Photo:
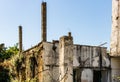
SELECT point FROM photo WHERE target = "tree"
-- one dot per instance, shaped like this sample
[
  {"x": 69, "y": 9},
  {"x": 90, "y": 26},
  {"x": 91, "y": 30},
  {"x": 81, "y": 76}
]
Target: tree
[{"x": 6, "y": 53}]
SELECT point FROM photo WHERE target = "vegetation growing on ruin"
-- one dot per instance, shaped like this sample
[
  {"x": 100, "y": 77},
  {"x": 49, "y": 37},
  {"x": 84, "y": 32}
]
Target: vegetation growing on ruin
[{"x": 6, "y": 55}]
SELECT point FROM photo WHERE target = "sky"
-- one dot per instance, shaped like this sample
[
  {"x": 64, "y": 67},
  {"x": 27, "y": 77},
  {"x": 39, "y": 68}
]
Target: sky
[{"x": 89, "y": 21}]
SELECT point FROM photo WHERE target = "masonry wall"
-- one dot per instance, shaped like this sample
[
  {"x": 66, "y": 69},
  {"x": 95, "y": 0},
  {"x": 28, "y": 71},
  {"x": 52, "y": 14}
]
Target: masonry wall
[
  {"x": 51, "y": 62},
  {"x": 115, "y": 35},
  {"x": 115, "y": 69},
  {"x": 90, "y": 59},
  {"x": 44, "y": 67},
  {"x": 56, "y": 61},
  {"x": 115, "y": 41},
  {"x": 61, "y": 61},
  {"x": 33, "y": 63},
  {"x": 90, "y": 56},
  {"x": 66, "y": 59}
]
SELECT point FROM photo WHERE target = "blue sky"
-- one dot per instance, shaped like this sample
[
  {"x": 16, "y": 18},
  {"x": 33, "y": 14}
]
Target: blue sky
[{"x": 88, "y": 20}]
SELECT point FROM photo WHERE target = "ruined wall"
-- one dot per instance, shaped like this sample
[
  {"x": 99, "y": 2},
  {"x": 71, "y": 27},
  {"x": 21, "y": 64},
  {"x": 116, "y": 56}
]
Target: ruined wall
[
  {"x": 115, "y": 69},
  {"x": 90, "y": 59},
  {"x": 33, "y": 63},
  {"x": 42, "y": 62},
  {"x": 115, "y": 36},
  {"x": 66, "y": 59},
  {"x": 61, "y": 61},
  {"x": 54, "y": 61},
  {"x": 51, "y": 62},
  {"x": 115, "y": 41},
  {"x": 90, "y": 56}
]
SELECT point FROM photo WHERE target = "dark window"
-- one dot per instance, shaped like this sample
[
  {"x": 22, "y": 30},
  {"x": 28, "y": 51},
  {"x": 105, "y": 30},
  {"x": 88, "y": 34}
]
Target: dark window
[
  {"x": 76, "y": 75},
  {"x": 97, "y": 76}
]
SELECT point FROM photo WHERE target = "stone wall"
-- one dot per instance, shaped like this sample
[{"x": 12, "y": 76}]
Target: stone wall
[
  {"x": 34, "y": 63},
  {"x": 62, "y": 61},
  {"x": 89, "y": 61},
  {"x": 90, "y": 56},
  {"x": 115, "y": 35},
  {"x": 115, "y": 41},
  {"x": 66, "y": 59},
  {"x": 115, "y": 69},
  {"x": 42, "y": 62},
  {"x": 51, "y": 62}
]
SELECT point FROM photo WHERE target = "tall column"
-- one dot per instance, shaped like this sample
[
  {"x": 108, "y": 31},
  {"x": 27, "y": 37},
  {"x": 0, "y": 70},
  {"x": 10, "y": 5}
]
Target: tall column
[
  {"x": 115, "y": 36},
  {"x": 66, "y": 59},
  {"x": 115, "y": 41},
  {"x": 20, "y": 38},
  {"x": 44, "y": 22}
]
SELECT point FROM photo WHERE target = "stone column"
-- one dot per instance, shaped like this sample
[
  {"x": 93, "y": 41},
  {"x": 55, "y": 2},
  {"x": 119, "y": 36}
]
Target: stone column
[
  {"x": 115, "y": 41},
  {"x": 115, "y": 36},
  {"x": 44, "y": 21},
  {"x": 66, "y": 58},
  {"x": 20, "y": 39}
]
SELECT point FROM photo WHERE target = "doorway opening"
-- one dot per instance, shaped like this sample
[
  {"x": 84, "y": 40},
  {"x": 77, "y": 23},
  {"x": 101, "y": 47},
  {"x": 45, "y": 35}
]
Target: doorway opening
[{"x": 97, "y": 76}]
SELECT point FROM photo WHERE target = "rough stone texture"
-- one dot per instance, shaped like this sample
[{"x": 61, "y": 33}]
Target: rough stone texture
[
  {"x": 115, "y": 69},
  {"x": 87, "y": 59},
  {"x": 115, "y": 36},
  {"x": 89, "y": 56},
  {"x": 87, "y": 75},
  {"x": 115, "y": 41},
  {"x": 34, "y": 63},
  {"x": 51, "y": 62},
  {"x": 47, "y": 58},
  {"x": 66, "y": 59}
]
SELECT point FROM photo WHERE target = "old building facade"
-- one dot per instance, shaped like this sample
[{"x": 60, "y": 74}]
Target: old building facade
[{"x": 63, "y": 61}]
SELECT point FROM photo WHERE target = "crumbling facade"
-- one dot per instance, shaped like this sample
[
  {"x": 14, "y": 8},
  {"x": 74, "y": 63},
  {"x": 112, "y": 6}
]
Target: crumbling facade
[
  {"x": 63, "y": 61},
  {"x": 91, "y": 64},
  {"x": 115, "y": 41}
]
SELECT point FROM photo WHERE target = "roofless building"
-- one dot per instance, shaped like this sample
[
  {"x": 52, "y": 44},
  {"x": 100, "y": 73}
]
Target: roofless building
[{"x": 63, "y": 61}]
